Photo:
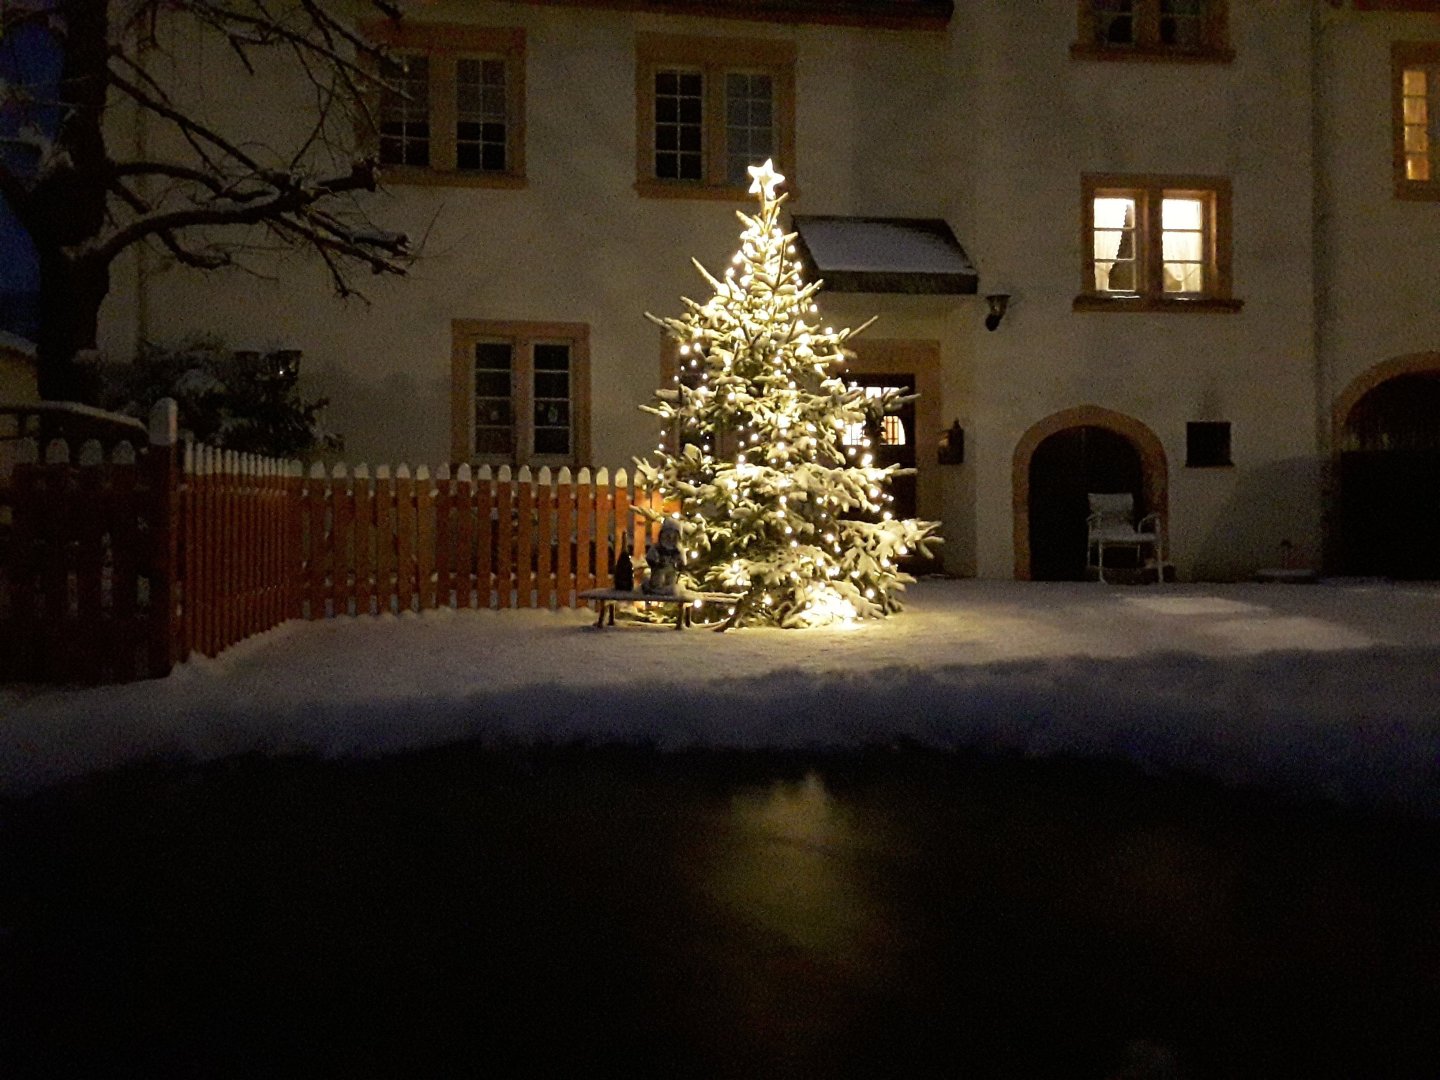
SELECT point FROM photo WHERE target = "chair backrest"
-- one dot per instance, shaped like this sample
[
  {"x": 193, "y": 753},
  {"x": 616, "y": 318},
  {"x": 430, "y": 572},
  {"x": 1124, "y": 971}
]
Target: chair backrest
[{"x": 1113, "y": 508}]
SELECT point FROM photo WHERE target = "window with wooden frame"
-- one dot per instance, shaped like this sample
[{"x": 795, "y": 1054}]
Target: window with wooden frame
[
  {"x": 1155, "y": 243},
  {"x": 1415, "y": 92},
  {"x": 453, "y": 107},
  {"x": 1196, "y": 30},
  {"x": 708, "y": 108},
  {"x": 520, "y": 392}
]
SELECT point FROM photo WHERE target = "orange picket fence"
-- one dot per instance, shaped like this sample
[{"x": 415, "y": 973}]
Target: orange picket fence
[{"x": 116, "y": 563}]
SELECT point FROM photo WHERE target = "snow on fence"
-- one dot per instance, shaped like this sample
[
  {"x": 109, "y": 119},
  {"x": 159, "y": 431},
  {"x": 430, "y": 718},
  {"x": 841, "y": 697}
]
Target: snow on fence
[{"x": 114, "y": 566}]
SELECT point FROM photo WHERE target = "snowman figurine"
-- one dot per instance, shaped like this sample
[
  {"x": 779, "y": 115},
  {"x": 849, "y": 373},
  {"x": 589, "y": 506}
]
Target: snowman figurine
[{"x": 664, "y": 558}]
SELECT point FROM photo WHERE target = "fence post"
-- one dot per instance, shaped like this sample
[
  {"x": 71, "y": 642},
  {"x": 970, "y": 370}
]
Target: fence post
[{"x": 165, "y": 489}]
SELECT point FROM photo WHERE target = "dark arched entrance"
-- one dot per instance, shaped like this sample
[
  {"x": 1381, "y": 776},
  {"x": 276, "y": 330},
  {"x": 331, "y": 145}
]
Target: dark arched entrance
[
  {"x": 1390, "y": 480},
  {"x": 1065, "y": 468}
]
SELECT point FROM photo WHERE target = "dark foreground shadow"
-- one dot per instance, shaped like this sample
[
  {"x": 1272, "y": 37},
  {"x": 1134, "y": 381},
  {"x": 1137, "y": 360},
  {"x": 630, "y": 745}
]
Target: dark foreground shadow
[{"x": 550, "y": 912}]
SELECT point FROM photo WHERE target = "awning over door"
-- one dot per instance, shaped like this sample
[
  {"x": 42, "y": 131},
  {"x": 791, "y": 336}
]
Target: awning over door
[{"x": 884, "y": 255}]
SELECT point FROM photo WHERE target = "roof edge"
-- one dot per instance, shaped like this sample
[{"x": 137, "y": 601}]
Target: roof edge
[{"x": 876, "y": 14}]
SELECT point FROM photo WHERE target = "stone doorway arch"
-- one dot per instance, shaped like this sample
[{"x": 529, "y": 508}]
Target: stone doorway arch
[
  {"x": 1383, "y": 516},
  {"x": 1154, "y": 480}
]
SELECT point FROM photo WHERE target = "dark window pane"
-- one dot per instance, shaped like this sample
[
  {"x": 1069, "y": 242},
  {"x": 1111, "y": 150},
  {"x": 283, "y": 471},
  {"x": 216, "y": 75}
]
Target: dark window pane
[
  {"x": 690, "y": 83},
  {"x": 690, "y": 167},
  {"x": 392, "y": 151},
  {"x": 667, "y": 138},
  {"x": 492, "y": 412},
  {"x": 552, "y": 440},
  {"x": 552, "y": 414},
  {"x": 493, "y": 354},
  {"x": 552, "y": 357},
  {"x": 493, "y": 72},
  {"x": 492, "y": 384},
  {"x": 468, "y": 131},
  {"x": 667, "y": 166},
  {"x": 690, "y": 139},
  {"x": 667, "y": 110},
  {"x": 493, "y": 132},
  {"x": 417, "y": 153},
  {"x": 492, "y": 158},
  {"x": 689, "y": 110},
  {"x": 552, "y": 384},
  {"x": 665, "y": 82},
  {"x": 494, "y": 441}
]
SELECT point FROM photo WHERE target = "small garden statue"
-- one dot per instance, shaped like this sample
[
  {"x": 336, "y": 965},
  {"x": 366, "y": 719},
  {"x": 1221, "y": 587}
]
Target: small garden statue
[{"x": 664, "y": 558}]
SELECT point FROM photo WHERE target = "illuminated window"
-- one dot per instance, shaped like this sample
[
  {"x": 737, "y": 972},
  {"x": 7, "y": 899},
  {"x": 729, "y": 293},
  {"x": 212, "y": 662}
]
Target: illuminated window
[
  {"x": 1416, "y": 91},
  {"x": 707, "y": 109},
  {"x": 1156, "y": 243},
  {"x": 1153, "y": 30},
  {"x": 452, "y": 111},
  {"x": 892, "y": 427},
  {"x": 521, "y": 392}
]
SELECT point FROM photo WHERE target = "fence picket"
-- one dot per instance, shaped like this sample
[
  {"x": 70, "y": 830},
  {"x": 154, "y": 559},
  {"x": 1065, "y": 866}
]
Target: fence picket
[
  {"x": 584, "y": 524},
  {"x": 424, "y": 538},
  {"x": 505, "y": 536},
  {"x": 565, "y": 542},
  {"x": 544, "y": 540},
  {"x": 484, "y": 538},
  {"x": 342, "y": 530},
  {"x": 404, "y": 538},
  {"x": 524, "y": 538},
  {"x": 444, "y": 538},
  {"x": 366, "y": 602},
  {"x": 464, "y": 536}
]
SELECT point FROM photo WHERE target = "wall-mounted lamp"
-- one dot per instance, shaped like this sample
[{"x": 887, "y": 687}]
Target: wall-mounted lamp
[
  {"x": 997, "y": 302},
  {"x": 952, "y": 445}
]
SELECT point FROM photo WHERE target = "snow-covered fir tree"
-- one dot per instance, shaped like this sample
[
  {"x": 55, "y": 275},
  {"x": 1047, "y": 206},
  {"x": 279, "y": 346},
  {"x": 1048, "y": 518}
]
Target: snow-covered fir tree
[{"x": 775, "y": 501}]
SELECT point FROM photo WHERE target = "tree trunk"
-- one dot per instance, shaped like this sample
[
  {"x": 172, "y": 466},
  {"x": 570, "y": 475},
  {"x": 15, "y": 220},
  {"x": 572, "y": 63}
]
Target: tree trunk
[
  {"x": 70, "y": 299},
  {"x": 65, "y": 210}
]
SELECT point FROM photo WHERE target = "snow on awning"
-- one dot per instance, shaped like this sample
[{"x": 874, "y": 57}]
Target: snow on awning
[{"x": 884, "y": 255}]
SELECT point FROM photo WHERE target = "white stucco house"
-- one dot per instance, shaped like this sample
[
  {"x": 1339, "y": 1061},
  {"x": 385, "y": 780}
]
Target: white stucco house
[{"x": 1215, "y": 224}]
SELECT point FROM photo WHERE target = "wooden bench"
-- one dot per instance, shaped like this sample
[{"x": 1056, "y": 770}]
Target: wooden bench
[{"x": 685, "y": 602}]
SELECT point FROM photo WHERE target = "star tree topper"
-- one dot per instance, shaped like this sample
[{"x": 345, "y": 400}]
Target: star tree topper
[{"x": 765, "y": 179}]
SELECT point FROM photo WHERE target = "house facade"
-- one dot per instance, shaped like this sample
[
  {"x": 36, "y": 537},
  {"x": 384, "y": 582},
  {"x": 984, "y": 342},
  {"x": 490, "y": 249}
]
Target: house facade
[{"x": 1214, "y": 224}]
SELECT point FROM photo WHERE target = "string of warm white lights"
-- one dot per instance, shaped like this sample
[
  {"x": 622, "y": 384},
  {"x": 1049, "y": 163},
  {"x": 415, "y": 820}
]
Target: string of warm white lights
[{"x": 774, "y": 504}]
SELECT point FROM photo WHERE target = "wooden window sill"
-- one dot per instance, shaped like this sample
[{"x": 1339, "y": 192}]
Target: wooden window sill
[
  {"x": 1154, "y": 304},
  {"x": 691, "y": 189},
  {"x": 423, "y": 177},
  {"x": 1418, "y": 190},
  {"x": 1152, "y": 54}
]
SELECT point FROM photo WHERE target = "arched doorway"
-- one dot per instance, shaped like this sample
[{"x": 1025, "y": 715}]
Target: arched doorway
[
  {"x": 1389, "y": 475},
  {"x": 1060, "y": 461},
  {"x": 1064, "y": 469}
]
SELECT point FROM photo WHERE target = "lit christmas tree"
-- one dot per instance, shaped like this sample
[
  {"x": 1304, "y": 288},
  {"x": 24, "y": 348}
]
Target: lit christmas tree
[{"x": 779, "y": 498}]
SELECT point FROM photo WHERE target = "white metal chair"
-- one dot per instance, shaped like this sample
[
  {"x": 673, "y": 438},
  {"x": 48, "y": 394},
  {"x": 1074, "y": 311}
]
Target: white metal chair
[{"x": 1112, "y": 523}]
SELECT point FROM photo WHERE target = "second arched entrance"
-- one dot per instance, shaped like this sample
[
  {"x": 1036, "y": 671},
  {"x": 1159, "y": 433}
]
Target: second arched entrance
[{"x": 1389, "y": 471}]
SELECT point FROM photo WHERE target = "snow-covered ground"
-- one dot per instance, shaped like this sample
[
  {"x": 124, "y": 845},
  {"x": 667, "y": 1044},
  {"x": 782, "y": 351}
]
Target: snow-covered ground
[{"x": 1329, "y": 689}]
